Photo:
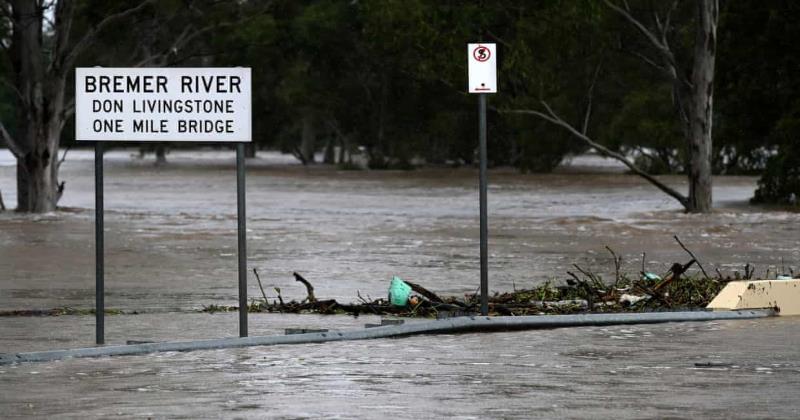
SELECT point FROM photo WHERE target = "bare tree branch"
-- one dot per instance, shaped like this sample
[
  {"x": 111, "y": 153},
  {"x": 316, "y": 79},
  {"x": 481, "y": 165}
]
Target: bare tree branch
[
  {"x": 657, "y": 20},
  {"x": 5, "y": 11},
  {"x": 654, "y": 158},
  {"x": 497, "y": 38},
  {"x": 681, "y": 83},
  {"x": 91, "y": 34},
  {"x": 50, "y": 24},
  {"x": 63, "y": 157},
  {"x": 551, "y": 117},
  {"x": 15, "y": 149},
  {"x": 590, "y": 99},
  {"x": 678, "y": 91},
  {"x": 333, "y": 124},
  {"x": 654, "y": 40},
  {"x": 187, "y": 36},
  {"x": 649, "y": 61},
  {"x": 69, "y": 108},
  {"x": 4, "y": 80},
  {"x": 61, "y": 25},
  {"x": 637, "y": 24},
  {"x": 190, "y": 33},
  {"x": 667, "y": 22},
  {"x": 691, "y": 254},
  {"x": 157, "y": 58}
]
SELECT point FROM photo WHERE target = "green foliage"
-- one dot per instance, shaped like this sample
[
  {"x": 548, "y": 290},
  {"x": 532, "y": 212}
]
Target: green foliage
[
  {"x": 757, "y": 83},
  {"x": 537, "y": 148},
  {"x": 550, "y": 52},
  {"x": 645, "y": 126},
  {"x": 780, "y": 182},
  {"x": 388, "y": 76},
  {"x": 759, "y": 113}
]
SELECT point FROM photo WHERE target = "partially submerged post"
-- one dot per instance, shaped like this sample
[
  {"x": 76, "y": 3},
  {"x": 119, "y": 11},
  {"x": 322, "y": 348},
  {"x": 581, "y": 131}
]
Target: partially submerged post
[
  {"x": 241, "y": 217},
  {"x": 482, "y": 59},
  {"x": 191, "y": 105}
]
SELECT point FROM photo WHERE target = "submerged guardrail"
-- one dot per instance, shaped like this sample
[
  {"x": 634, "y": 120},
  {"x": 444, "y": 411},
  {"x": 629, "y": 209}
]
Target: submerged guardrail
[{"x": 440, "y": 326}]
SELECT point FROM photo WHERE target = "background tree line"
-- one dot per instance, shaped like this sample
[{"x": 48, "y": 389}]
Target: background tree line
[{"x": 387, "y": 78}]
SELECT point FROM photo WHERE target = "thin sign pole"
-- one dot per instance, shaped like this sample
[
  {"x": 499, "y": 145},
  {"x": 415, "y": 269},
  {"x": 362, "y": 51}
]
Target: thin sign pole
[
  {"x": 240, "y": 192},
  {"x": 484, "y": 221},
  {"x": 99, "y": 287}
]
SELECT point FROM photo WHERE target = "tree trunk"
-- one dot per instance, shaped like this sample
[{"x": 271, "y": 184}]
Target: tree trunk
[
  {"x": 342, "y": 150},
  {"x": 700, "y": 140},
  {"x": 250, "y": 150},
  {"x": 37, "y": 170},
  {"x": 693, "y": 99},
  {"x": 330, "y": 152},
  {"x": 22, "y": 188},
  {"x": 37, "y": 176},
  {"x": 161, "y": 154},
  {"x": 307, "y": 148},
  {"x": 41, "y": 63},
  {"x": 382, "y": 115},
  {"x": 40, "y": 102}
]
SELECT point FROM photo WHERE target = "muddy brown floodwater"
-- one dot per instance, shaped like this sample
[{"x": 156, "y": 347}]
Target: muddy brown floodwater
[{"x": 171, "y": 249}]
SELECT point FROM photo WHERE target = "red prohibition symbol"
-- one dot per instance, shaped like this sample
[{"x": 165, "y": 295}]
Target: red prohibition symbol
[{"x": 481, "y": 53}]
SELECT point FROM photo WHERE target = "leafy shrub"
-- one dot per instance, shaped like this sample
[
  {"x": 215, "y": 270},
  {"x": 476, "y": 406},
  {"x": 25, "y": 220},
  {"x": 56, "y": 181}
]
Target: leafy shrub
[{"x": 780, "y": 183}]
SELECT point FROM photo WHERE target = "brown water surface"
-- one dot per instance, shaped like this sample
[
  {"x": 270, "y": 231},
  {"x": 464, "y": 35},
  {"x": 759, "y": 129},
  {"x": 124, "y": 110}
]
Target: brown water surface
[{"x": 171, "y": 248}]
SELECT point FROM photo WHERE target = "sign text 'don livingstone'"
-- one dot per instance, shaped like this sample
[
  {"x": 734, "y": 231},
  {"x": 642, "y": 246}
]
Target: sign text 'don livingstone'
[{"x": 163, "y": 104}]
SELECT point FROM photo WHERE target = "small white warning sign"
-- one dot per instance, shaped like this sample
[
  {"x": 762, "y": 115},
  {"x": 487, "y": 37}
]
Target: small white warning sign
[{"x": 482, "y": 59}]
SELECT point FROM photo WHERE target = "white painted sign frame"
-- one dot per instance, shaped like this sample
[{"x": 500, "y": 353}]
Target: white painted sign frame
[
  {"x": 482, "y": 68},
  {"x": 208, "y": 104}
]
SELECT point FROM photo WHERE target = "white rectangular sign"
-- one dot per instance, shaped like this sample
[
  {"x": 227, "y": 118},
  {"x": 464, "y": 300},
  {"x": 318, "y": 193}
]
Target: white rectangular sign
[
  {"x": 162, "y": 104},
  {"x": 482, "y": 59}
]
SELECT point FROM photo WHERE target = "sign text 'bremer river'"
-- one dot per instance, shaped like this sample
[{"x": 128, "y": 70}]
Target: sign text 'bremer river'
[{"x": 163, "y": 104}]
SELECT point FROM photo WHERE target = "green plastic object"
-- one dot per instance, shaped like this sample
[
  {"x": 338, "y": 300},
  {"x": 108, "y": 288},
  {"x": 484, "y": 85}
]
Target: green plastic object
[
  {"x": 652, "y": 277},
  {"x": 398, "y": 292}
]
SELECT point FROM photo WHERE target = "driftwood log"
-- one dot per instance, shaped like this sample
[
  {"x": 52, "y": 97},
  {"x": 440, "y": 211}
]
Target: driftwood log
[{"x": 309, "y": 288}]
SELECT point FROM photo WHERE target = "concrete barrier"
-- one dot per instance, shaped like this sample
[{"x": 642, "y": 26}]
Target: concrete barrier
[{"x": 782, "y": 295}]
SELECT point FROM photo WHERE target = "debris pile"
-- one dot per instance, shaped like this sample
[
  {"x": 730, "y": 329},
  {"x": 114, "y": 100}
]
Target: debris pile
[
  {"x": 583, "y": 291},
  {"x": 580, "y": 291}
]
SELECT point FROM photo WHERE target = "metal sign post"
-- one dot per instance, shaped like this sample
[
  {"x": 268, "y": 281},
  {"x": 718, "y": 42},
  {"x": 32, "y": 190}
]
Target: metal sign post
[
  {"x": 99, "y": 276},
  {"x": 484, "y": 206},
  {"x": 482, "y": 64},
  {"x": 242, "y": 232},
  {"x": 165, "y": 105}
]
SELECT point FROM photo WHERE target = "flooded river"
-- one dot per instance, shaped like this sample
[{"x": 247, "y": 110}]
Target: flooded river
[{"x": 171, "y": 249}]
